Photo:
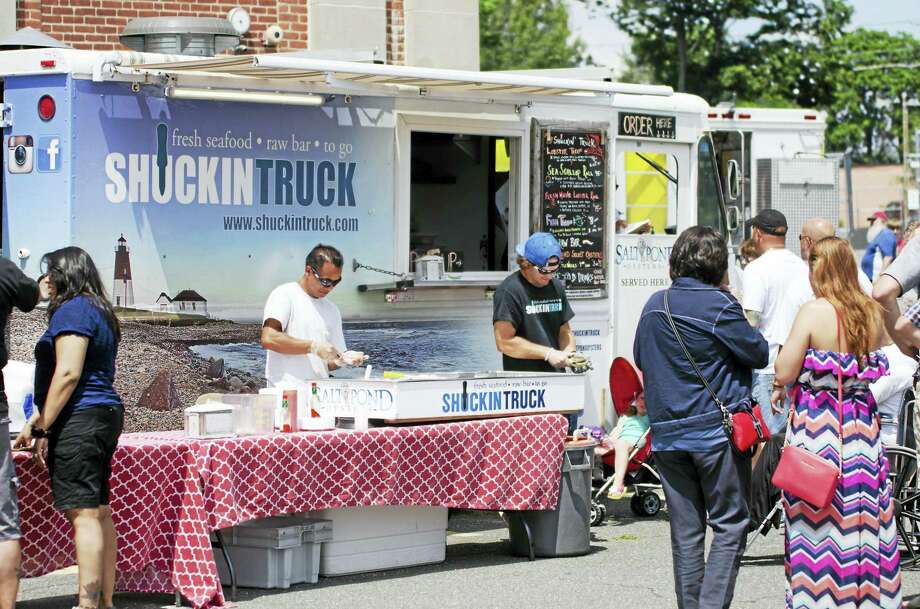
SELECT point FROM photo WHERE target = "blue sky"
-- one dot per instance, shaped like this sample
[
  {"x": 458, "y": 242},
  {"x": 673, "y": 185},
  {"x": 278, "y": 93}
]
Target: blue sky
[{"x": 607, "y": 45}]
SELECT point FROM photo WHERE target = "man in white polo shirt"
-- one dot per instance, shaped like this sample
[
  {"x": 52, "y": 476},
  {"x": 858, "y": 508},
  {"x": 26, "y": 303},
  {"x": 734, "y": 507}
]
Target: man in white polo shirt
[
  {"x": 775, "y": 285},
  {"x": 301, "y": 328}
]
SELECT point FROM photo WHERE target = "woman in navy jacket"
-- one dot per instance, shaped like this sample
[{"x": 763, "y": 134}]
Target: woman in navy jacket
[{"x": 701, "y": 474}]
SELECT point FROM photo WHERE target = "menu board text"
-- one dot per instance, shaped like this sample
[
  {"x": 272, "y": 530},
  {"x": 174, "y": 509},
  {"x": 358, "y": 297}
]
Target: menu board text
[{"x": 573, "y": 204}]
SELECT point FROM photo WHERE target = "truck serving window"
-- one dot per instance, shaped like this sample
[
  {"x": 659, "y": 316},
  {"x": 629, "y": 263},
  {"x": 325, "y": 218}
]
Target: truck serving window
[
  {"x": 459, "y": 198},
  {"x": 651, "y": 180}
]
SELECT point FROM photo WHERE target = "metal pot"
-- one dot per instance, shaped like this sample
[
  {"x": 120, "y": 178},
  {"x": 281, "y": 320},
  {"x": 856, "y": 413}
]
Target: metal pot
[{"x": 429, "y": 268}]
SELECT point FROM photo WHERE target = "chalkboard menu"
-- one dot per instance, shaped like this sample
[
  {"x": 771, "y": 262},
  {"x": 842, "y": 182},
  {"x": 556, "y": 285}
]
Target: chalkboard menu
[{"x": 573, "y": 202}]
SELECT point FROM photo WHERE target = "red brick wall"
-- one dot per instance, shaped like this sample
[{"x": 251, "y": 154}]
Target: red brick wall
[
  {"x": 396, "y": 32},
  {"x": 95, "y": 24}
]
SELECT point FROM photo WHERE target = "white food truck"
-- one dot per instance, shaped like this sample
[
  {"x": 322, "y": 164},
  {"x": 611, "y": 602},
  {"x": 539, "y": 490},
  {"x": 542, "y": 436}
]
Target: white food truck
[
  {"x": 198, "y": 185},
  {"x": 779, "y": 153}
]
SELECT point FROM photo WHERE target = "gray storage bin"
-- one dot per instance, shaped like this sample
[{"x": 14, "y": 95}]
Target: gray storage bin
[
  {"x": 274, "y": 552},
  {"x": 314, "y": 531},
  {"x": 564, "y": 531}
]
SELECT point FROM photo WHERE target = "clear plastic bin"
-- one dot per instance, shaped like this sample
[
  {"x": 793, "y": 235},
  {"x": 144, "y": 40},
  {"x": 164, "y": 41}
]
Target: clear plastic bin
[{"x": 252, "y": 414}]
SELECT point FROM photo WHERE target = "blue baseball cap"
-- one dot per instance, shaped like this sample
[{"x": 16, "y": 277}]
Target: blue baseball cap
[{"x": 539, "y": 248}]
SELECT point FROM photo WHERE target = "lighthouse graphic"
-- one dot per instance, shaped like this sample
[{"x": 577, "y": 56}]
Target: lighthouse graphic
[{"x": 122, "y": 288}]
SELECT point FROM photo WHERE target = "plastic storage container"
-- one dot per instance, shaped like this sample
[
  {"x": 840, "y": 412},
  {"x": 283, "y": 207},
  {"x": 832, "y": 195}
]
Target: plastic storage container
[
  {"x": 209, "y": 420},
  {"x": 274, "y": 552},
  {"x": 382, "y": 537},
  {"x": 253, "y": 414},
  {"x": 564, "y": 531}
]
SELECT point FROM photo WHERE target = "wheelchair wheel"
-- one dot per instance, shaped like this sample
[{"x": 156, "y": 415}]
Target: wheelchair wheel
[
  {"x": 598, "y": 513},
  {"x": 645, "y": 504}
]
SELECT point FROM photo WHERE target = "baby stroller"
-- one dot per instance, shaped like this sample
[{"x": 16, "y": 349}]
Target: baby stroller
[{"x": 641, "y": 476}]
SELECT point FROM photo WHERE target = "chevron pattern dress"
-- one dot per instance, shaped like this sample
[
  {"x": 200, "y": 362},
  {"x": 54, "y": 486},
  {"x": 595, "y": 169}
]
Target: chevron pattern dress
[{"x": 844, "y": 556}]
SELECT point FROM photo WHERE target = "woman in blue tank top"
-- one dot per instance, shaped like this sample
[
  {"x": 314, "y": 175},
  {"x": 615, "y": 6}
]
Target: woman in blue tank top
[{"x": 80, "y": 416}]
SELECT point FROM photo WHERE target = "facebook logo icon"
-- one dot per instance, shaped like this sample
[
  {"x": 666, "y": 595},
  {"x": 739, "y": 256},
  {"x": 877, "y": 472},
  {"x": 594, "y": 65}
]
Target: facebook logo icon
[{"x": 49, "y": 153}]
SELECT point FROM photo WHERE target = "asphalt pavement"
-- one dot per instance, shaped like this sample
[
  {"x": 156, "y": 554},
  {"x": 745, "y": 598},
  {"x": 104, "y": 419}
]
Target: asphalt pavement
[{"x": 629, "y": 565}]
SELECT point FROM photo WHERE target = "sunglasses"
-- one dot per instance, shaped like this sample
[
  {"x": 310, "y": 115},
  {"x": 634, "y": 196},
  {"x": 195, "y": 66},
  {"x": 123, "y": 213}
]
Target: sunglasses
[
  {"x": 326, "y": 283},
  {"x": 548, "y": 269}
]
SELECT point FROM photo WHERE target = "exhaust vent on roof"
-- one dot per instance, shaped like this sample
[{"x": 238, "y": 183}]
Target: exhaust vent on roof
[{"x": 196, "y": 36}]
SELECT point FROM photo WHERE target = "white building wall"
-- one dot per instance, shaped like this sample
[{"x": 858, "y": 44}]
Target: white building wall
[
  {"x": 442, "y": 33},
  {"x": 7, "y": 17},
  {"x": 347, "y": 24},
  {"x": 190, "y": 307},
  {"x": 122, "y": 293}
]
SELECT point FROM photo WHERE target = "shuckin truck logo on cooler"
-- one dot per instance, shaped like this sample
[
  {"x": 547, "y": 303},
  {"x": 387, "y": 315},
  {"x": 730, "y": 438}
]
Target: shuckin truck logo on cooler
[
  {"x": 225, "y": 180},
  {"x": 491, "y": 401}
]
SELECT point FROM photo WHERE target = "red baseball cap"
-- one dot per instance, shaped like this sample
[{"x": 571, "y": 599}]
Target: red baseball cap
[{"x": 880, "y": 215}]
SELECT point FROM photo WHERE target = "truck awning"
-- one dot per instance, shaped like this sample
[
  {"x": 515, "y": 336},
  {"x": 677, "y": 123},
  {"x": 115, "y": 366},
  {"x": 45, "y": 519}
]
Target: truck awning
[{"x": 311, "y": 70}]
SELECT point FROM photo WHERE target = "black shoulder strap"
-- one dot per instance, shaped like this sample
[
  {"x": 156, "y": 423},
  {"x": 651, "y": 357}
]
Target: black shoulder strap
[{"x": 726, "y": 416}]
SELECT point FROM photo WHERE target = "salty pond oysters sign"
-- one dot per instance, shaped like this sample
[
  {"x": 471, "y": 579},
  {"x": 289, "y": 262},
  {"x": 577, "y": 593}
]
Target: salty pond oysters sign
[{"x": 572, "y": 204}]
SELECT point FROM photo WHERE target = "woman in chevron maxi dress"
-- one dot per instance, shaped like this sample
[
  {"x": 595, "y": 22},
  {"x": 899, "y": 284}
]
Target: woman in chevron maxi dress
[{"x": 845, "y": 555}]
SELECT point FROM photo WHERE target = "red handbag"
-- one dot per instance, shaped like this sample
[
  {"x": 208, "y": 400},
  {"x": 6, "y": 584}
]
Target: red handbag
[
  {"x": 808, "y": 476},
  {"x": 745, "y": 427},
  {"x": 748, "y": 428},
  {"x": 802, "y": 473}
]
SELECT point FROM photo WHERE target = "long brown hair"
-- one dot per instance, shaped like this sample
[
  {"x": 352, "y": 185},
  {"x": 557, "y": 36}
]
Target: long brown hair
[
  {"x": 834, "y": 277},
  {"x": 73, "y": 274}
]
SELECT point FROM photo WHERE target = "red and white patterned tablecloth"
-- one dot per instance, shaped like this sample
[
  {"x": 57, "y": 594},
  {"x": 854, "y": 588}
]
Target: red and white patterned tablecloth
[
  {"x": 169, "y": 493},
  {"x": 163, "y": 536}
]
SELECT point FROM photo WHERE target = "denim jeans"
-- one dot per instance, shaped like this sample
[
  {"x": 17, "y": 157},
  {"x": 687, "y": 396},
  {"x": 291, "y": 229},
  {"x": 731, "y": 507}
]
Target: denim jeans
[
  {"x": 761, "y": 391},
  {"x": 703, "y": 487}
]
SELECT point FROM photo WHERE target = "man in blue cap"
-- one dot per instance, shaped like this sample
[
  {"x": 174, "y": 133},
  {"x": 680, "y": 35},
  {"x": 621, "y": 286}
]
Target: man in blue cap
[{"x": 530, "y": 312}]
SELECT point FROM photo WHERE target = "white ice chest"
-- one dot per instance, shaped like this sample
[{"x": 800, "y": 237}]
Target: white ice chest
[
  {"x": 457, "y": 395},
  {"x": 380, "y": 537}
]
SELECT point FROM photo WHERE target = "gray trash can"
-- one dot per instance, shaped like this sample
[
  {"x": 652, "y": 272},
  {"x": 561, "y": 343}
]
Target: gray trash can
[{"x": 564, "y": 531}]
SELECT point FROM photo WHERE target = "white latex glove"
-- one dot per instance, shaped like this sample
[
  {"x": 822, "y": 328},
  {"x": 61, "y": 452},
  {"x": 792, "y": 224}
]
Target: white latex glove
[
  {"x": 557, "y": 358},
  {"x": 325, "y": 351},
  {"x": 353, "y": 358}
]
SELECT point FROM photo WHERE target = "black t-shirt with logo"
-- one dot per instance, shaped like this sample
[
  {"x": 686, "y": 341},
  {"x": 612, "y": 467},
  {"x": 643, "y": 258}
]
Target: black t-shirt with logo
[{"x": 536, "y": 314}]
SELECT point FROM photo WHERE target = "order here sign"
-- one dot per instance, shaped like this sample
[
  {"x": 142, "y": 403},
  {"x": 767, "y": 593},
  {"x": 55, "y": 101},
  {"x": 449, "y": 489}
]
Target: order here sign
[{"x": 658, "y": 126}]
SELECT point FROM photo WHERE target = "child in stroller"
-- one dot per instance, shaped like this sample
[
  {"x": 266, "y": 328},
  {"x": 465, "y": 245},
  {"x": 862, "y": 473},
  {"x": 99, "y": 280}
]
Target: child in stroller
[
  {"x": 626, "y": 453},
  {"x": 629, "y": 434}
]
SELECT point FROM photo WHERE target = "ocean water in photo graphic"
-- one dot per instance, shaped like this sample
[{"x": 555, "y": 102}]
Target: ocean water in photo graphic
[{"x": 405, "y": 346}]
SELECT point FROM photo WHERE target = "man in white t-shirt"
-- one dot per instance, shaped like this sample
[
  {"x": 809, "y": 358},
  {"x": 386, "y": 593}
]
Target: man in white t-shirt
[
  {"x": 301, "y": 328},
  {"x": 775, "y": 285}
]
